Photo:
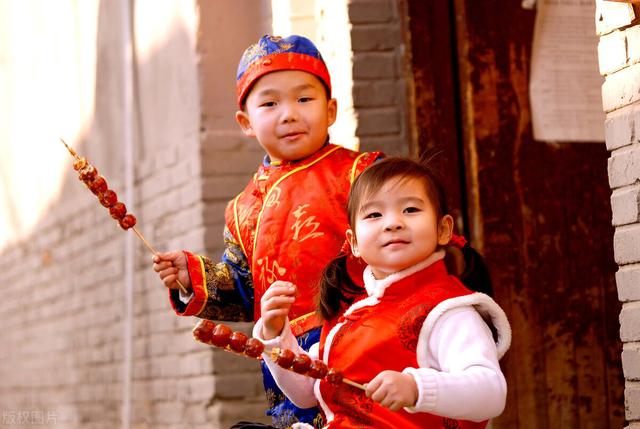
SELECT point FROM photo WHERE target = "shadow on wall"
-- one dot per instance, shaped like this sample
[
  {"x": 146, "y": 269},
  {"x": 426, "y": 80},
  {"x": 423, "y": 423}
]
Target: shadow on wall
[{"x": 62, "y": 359}]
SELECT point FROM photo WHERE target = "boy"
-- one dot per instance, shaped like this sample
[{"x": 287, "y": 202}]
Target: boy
[{"x": 289, "y": 221}]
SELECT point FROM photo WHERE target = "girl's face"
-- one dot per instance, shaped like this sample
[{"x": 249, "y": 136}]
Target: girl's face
[{"x": 397, "y": 227}]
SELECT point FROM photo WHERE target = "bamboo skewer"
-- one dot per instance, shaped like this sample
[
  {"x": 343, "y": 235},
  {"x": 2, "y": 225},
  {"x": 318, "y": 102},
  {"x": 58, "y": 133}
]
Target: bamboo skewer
[
  {"x": 354, "y": 384},
  {"x": 344, "y": 380},
  {"x": 135, "y": 230},
  {"x": 222, "y": 336},
  {"x": 155, "y": 252}
]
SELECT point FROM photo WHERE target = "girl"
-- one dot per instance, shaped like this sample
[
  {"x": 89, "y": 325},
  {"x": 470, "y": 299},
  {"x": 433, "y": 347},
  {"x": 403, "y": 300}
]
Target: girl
[{"x": 416, "y": 336}]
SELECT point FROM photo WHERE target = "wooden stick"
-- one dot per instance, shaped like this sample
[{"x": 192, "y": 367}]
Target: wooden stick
[
  {"x": 354, "y": 384},
  {"x": 146, "y": 243},
  {"x": 155, "y": 252},
  {"x": 273, "y": 353}
]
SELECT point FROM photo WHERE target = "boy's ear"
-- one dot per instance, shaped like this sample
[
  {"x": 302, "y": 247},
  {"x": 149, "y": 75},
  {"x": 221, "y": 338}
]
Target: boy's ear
[
  {"x": 352, "y": 242},
  {"x": 332, "y": 111},
  {"x": 245, "y": 123},
  {"x": 445, "y": 230}
]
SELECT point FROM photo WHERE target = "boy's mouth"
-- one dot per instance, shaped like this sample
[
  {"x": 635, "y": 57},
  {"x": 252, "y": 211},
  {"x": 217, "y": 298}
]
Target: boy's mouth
[{"x": 292, "y": 135}]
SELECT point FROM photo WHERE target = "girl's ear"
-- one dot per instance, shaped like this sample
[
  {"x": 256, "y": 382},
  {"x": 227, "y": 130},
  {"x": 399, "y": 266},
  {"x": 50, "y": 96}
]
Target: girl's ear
[
  {"x": 352, "y": 242},
  {"x": 445, "y": 230},
  {"x": 245, "y": 123}
]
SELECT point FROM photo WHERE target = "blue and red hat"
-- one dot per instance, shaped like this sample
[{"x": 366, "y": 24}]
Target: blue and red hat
[{"x": 274, "y": 53}]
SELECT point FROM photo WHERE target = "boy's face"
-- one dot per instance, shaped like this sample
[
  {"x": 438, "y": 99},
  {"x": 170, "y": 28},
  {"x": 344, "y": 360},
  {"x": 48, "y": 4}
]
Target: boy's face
[{"x": 288, "y": 112}]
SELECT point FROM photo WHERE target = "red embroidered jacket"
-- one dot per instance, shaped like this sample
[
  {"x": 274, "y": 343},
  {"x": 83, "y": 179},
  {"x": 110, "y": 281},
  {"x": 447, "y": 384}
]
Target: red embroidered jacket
[
  {"x": 384, "y": 336},
  {"x": 289, "y": 222}
]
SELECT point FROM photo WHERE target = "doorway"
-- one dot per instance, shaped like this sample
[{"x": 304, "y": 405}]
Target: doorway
[{"x": 539, "y": 212}]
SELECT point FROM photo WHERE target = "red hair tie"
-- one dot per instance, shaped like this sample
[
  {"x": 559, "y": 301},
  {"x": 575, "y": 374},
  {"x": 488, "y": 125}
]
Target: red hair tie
[
  {"x": 345, "y": 249},
  {"x": 458, "y": 241}
]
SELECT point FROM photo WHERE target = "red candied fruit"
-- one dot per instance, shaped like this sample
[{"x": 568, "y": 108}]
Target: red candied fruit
[
  {"x": 79, "y": 164},
  {"x": 334, "y": 376},
  {"x": 221, "y": 336},
  {"x": 253, "y": 348},
  {"x": 318, "y": 369},
  {"x": 238, "y": 341},
  {"x": 129, "y": 221},
  {"x": 98, "y": 185},
  {"x": 301, "y": 363},
  {"x": 285, "y": 358},
  {"x": 88, "y": 173},
  {"x": 108, "y": 198},
  {"x": 118, "y": 210},
  {"x": 203, "y": 331}
]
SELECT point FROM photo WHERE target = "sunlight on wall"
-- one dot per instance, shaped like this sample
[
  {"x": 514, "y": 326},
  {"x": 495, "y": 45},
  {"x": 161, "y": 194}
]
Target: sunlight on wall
[
  {"x": 47, "y": 78},
  {"x": 156, "y": 21},
  {"x": 327, "y": 25}
]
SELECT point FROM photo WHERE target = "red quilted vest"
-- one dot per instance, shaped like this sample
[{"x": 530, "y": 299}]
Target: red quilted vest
[
  {"x": 384, "y": 337},
  {"x": 291, "y": 220}
]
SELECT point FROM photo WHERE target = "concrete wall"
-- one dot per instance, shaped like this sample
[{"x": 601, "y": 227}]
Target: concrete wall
[{"x": 619, "y": 56}]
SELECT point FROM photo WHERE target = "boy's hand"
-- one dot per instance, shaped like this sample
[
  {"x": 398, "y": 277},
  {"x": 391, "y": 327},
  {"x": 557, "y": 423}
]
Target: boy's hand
[
  {"x": 275, "y": 305},
  {"x": 393, "y": 390},
  {"x": 171, "y": 266}
]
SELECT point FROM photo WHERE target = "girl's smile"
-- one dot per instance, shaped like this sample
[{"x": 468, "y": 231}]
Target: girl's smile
[{"x": 397, "y": 227}]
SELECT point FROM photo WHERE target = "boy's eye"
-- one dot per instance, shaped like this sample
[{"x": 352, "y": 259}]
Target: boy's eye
[
  {"x": 268, "y": 104},
  {"x": 304, "y": 99},
  {"x": 411, "y": 210}
]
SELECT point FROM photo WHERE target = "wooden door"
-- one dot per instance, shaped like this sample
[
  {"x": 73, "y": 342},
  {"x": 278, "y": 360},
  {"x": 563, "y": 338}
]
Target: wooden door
[{"x": 540, "y": 212}]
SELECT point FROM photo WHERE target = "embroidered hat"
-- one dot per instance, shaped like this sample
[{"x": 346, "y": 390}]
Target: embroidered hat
[{"x": 274, "y": 53}]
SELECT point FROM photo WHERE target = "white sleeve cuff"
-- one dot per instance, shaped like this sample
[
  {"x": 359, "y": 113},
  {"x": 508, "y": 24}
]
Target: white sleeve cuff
[
  {"x": 286, "y": 339},
  {"x": 185, "y": 298},
  {"x": 427, "y": 387},
  {"x": 298, "y": 388}
]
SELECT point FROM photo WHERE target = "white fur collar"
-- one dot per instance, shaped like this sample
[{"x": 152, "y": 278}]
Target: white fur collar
[{"x": 376, "y": 288}]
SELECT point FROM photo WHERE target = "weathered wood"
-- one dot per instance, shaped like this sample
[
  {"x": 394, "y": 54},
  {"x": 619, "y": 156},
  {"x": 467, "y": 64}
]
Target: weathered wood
[
  {"x": 434, "y": 94},
  {"x": 539, "y": 211}
]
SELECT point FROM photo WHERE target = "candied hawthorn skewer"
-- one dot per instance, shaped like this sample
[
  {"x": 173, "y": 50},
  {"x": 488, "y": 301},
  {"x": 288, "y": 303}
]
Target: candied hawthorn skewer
[
  {"x": 222, "y": 336},
  {"x": 88, "y": 174}
]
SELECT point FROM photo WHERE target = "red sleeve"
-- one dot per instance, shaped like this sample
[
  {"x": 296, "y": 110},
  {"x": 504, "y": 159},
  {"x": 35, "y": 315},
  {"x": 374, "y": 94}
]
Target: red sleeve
[{"x": 195, "y": 266}]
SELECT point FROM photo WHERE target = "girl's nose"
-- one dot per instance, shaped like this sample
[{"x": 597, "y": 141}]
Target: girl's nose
[{"x": 393, "y": 226}]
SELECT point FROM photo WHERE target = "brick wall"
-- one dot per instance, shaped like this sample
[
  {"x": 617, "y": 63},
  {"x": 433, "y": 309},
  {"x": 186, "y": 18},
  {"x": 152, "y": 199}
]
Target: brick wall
[
  {"x": 619, "y": 58},
  {"x": 379, "y": 81}
]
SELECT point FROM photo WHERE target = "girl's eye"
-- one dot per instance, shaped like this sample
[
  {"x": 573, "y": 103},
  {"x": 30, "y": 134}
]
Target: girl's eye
[
  {"x": 411, "y": 210},
  {"x": 372, "y": 215}
]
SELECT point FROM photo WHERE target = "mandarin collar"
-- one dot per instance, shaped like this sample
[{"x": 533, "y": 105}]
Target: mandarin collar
[
  {"x": 376, "y": 288},
  {"x": 267, "y": 165}
]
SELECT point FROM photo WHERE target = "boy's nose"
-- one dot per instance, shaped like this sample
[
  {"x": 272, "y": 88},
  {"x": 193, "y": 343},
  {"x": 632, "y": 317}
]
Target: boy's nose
[{"x": 289, "y": 113}]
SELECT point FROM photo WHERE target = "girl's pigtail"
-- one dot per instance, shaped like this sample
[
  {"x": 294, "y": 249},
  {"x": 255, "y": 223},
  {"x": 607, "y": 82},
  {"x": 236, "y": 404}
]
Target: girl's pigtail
[
  {"x": 475, "y": 275},
  {"x": 337, "y": 289}
]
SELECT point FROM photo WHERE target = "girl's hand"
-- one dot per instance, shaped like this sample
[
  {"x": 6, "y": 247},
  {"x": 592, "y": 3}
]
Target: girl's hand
[
  {"x": 393, "y": 390},
  {"x": 171, "y": 266},
  {"x": 274, "y": 306}
]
